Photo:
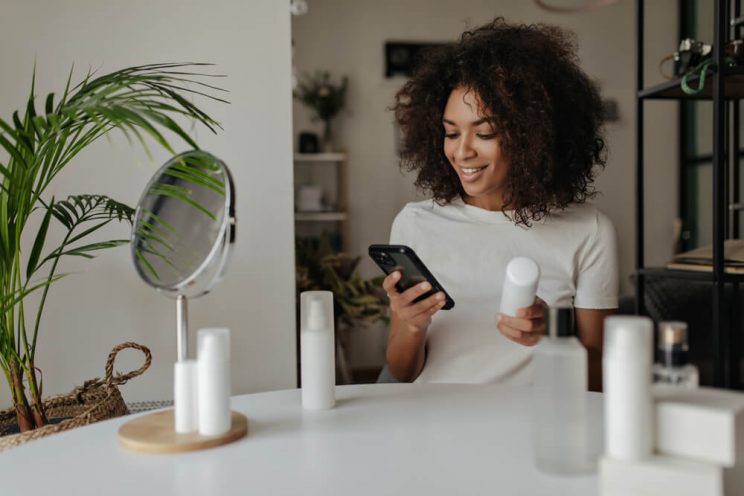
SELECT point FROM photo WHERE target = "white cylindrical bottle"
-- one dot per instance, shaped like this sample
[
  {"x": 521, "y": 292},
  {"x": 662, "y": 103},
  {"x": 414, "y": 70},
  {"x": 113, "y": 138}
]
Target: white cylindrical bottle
[
  {"x": 214, "y": 381},
  {"x": 185, "y": 396},
  {"x": 317, "y": 350},
  {"x": 520, "y": 285},
  {"x": 626, "y": 370},
  {"x": 559, "y": 390}
]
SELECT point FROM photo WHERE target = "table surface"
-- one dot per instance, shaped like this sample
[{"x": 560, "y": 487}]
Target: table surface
[{"x": 380, "y": 439}]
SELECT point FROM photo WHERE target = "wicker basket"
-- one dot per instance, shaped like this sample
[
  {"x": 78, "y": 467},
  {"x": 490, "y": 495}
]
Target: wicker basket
[{"x": 95, "y": 400}]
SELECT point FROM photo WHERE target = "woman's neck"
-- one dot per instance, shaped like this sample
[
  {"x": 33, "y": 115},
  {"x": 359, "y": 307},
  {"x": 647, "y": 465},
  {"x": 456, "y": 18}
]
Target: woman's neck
[{"x": 491, "y": 203}]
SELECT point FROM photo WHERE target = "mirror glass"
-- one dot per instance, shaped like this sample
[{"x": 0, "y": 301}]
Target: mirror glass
[{"x": 185, "y": 225}]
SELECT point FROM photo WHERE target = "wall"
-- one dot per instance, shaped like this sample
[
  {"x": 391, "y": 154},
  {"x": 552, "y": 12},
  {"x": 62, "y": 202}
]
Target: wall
[
  {"x": 103, "y": 302},
  {"x": 348, "y": 38}
]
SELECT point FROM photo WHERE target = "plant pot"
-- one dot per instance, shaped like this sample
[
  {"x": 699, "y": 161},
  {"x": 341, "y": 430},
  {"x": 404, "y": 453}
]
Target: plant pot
[{"x": 95, "y": 400}]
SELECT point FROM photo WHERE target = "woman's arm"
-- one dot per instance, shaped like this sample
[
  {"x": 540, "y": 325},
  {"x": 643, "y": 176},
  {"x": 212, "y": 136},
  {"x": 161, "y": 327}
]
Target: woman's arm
[
  {"x": 409, "y": 322},
  {"x": 589, "y": 327},
  {"x": 405, "y": 350}
]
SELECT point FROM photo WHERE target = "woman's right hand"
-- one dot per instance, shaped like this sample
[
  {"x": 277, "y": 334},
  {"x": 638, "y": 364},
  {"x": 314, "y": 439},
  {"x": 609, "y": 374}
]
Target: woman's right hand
[{"x": 416, "y": 316}]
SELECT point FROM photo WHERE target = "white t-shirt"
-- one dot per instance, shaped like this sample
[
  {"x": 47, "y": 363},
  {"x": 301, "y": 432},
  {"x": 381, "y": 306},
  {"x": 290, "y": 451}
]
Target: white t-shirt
[{"x": 467, "y": 249}]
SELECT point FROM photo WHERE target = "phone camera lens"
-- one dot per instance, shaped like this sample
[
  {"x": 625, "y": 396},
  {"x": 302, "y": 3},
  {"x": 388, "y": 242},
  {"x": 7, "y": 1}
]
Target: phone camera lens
[{"x": 383, "y": 258}]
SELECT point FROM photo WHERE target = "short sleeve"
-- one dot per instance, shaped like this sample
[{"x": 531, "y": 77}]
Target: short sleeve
[
  {"x": 597, "y": 280},
  {"x": 402, "y": 231}
]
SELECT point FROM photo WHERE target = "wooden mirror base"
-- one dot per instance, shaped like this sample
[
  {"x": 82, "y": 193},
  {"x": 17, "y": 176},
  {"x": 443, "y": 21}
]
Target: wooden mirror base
[{"x": 156, "y": 433}]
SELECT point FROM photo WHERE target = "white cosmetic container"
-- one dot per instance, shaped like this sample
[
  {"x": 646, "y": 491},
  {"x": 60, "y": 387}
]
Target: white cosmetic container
[
  {"x": 185, "y": 396},
  {"x": 626, "y": 367},
  {"x": 559, "y": 428},
  {"x": 520, "y": 285},
  {"x": 660, "y": 475},
  {"x": 214, "y": 381},
  {"x": 705, "y": 424},
  {"x": 317, "y": 350}
]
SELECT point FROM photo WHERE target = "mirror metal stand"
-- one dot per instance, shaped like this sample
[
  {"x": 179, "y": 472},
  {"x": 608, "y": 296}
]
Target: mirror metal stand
[{"x": 182, "y": 328}]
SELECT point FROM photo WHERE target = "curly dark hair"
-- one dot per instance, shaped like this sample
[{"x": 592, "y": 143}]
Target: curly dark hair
[{"x": 544, "y": 109}]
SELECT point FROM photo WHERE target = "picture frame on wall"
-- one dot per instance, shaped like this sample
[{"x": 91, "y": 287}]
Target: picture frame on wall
[{"x": 401, "y": 57}]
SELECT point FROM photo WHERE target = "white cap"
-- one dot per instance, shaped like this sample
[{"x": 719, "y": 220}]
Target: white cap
[
  {"x": 628, "y": 336},
  {"x": 213, "y": 344},
  {"x": 316, "y": 311},
  {"x": 316, "y": 318},
  {"x": 523, "y": 271}
]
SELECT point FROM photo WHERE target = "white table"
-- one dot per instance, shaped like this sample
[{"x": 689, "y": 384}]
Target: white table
[{"x": 391, "y": 439}]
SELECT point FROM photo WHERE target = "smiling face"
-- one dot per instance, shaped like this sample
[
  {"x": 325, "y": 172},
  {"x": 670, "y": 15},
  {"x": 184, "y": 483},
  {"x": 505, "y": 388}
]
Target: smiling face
[{"x": 474, "y": 151}]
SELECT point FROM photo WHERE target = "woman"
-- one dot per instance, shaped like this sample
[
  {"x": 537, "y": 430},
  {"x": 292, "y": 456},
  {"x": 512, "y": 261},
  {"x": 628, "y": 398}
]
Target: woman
[{"x": 504, "y": 131}]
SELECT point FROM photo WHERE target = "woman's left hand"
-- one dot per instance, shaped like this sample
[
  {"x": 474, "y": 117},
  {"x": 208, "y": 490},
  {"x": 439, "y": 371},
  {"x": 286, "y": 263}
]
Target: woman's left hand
[{"x": 527, "y": 327}]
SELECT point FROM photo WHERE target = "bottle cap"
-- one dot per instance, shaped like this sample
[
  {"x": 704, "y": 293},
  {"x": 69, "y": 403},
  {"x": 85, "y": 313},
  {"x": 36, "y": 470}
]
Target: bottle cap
[
  {"x": 672, "y": 345},
  {"x": 672, "y": 334},
  {"x": 316, "y": 312},
  {"x": 628, "y": 337},
  {"x": 316, "y": 318},
  {"x": 561, "y": 322},
  {"x": 213, "y": 344},
  {"x": 523, "y": 271}
]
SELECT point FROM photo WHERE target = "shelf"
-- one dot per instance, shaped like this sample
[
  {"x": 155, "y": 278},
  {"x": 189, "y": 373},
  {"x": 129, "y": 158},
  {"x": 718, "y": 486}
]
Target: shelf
[
  {"x": 320, "y": 216},
  {"x": 694, "y": 275},
  {"x": 722, "y": 328},
  {"x": 670, "y": 90},
  {"x": 319, "y": 157}
]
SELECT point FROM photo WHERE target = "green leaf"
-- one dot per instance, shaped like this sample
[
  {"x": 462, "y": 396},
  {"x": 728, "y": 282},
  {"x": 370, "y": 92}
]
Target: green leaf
[
  {"x": 216, "y": 186},
  {"x": 12, "y": 150},
  {"x": 8, "y": 301},
  {"x": 147, "y": 264},
  {"x": 19, "y": 136},
  {"x": 17, "y": 122},
  {"x": 39, "y": 242},
  {"x": 84, "y": 251},
  {"x": 179, "y": 193},
  {"x": 49, "y": 106},
  {"x": 63, "y": 216}
]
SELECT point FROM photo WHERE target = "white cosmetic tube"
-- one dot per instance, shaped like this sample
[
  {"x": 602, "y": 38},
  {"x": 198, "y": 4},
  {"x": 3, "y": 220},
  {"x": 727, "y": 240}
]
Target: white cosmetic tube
[
  {"x": 214, "y": 381},
  {"x": 626, "y": 368},
  {"x": 317, "y": 350},
  {"x": 185, "y": 396},
  {"x": 520, "y": 285}
]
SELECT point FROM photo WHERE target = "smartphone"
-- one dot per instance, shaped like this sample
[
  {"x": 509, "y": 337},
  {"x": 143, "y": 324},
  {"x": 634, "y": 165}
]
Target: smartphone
[{"x": 413, "y": 271}]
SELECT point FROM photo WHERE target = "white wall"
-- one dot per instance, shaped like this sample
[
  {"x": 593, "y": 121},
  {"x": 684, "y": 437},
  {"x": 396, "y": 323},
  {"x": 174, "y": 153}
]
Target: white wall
[{"x": 103, "y": 302}]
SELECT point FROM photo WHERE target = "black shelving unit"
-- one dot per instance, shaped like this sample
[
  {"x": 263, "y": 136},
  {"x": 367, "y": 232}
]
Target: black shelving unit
[{"x": 724, "y": 88}]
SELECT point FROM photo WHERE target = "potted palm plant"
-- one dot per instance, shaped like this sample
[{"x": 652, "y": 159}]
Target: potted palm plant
[{"x": 38, "y": 143}]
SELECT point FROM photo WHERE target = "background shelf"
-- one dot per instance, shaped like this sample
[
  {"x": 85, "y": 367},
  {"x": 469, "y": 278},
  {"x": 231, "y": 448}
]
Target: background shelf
[
  {"x": 733, "y": 82},
  {"x": 320, "y": 216},
  {"x": 695, "y": 275},
  {"x": 319, "y": 157}
]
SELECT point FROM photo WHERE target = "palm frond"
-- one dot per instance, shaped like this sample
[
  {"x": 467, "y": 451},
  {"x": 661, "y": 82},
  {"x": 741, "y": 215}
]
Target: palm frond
[{"x": 77, "y": 210}]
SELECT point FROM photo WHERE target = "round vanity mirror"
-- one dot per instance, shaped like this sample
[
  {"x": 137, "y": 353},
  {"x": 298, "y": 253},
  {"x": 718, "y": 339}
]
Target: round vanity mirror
[{"x": 184, "y": 228}]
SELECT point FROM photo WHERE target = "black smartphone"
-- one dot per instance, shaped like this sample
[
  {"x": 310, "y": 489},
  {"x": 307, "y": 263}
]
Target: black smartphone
[{"x": 413, "y": 271}]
